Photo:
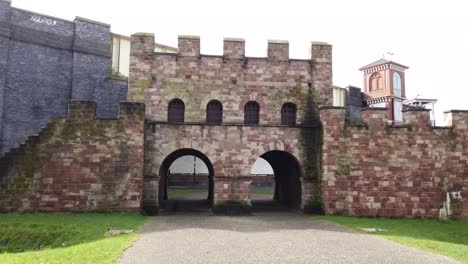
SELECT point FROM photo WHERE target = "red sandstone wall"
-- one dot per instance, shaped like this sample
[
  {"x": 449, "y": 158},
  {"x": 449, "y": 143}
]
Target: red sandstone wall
[
  {"x": 78, "y": 164},
  {"x": 232, "y": 150},
  {"x": 375, "y": 170},
  {"x": 233, "y": 79}
]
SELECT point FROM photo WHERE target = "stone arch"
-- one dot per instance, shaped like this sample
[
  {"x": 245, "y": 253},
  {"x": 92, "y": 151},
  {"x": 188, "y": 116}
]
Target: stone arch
[
  {"x": 288, "y": 173},
  {"x": 169, "y": 159}
]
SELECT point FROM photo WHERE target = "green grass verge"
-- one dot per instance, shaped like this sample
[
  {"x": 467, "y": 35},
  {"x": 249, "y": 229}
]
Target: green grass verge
[
  {"x": 262, "y": 191},
  {"x": 449, "y": 238},
  {"x": 171, "y": 192},
  {"x": 176, "y": 192},
  {"x": 65, "y": 238}
]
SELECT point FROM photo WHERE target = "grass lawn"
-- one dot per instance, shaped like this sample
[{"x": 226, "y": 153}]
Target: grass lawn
[
  {"x": 449, "y": 238},
  {"x": 65, "y": 237},
  {"x": 262, "y": 191},
  {"x": 171, "y": 192}
]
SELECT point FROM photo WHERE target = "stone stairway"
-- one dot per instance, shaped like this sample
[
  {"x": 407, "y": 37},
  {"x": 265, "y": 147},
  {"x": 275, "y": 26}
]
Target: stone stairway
[{"x": 19, "y": 153}]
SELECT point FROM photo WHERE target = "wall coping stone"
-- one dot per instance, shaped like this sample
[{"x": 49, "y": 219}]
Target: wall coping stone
[
  {"x": 92, "y": 21},
  {"x": 39, "y": 14},
  {"x": 274, "y": 41},
  {"x": 456, "y": 111},
  {"x": 332, "y": 107},
  {"x": 234, "y": 39},
  {"x": 188, "y": 37},
  {"x": 374, "y": 109},
  {"x": 416, "y": 110},
  {"x": 143, "y": 34},
  {"x": 320, "y": 43}
]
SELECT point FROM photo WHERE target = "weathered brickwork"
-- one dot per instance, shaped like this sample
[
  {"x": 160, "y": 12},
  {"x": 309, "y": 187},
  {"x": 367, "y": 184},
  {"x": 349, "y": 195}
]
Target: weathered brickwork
[
  {"x": 234, "y": 80},
  {"x": 78, "y": 163},
  {"x": 232, "y": 151},
  {"x": 377, "y": 170}
]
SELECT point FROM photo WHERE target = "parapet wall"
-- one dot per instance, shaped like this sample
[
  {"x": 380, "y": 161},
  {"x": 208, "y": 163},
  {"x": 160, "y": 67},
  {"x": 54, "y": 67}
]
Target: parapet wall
[
  {"x": 232, "y": 78},
  {"x": 78, "y": 163},
  {"x": 379, "y": 170}
]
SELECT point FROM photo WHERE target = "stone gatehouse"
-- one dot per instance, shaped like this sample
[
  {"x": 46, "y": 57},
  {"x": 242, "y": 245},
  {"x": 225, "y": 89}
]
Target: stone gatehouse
[{"x": 230, "y": 110}]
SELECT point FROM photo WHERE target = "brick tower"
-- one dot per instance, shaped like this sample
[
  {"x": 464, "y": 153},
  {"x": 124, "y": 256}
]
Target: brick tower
[{"x": 384, "y": 86}]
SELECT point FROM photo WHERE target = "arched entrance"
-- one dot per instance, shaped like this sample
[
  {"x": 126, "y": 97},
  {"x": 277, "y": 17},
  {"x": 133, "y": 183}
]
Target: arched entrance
[
  {"x": 287, "y": 186},
  {"x": 176, "y": 202}
]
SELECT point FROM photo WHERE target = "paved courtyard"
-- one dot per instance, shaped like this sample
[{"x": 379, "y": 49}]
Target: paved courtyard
[{"x": 274, "y": 237}]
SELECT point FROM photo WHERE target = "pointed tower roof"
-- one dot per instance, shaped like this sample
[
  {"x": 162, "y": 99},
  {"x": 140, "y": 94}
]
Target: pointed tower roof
[{"x": 382, "y": 62}]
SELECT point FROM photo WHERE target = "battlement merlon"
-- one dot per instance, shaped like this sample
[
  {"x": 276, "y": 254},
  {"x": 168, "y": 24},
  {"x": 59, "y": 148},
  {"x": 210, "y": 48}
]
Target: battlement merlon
[
  {"x": 322, "y": 72},
  {"x": 457, "y": 119},
  {"x": 80, "y": 109},
  {"x": 188, "y": 46},
  {"x": 332, "y": 116},
  {"x": 132, "y": 111},
  {"x": 278, "y": 50},
  {"x": 417, "y": 118},
  {"x": 142, "y": 44},
  {"x": 234, "y": 48},
  {"x": 374, "y": 117}
]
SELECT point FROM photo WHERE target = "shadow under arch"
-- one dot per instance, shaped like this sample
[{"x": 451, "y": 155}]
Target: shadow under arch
[
  {"x": 287, "y": 181},
  {"x": 164, "y": 173}
]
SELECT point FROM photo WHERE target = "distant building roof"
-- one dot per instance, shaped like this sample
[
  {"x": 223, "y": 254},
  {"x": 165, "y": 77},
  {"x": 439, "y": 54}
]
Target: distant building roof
[{"x": 380, "y": 62}]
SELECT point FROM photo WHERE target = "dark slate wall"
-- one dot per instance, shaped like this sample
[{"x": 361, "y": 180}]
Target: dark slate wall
[
  {"x": 5, "y": 18},
  {"x": 44, "y": 63},
  {"x": 4, "y": 46},
  {"x": 353, "y": 105},
  {"x": 38, "y": 88},
  {"x": 107, "y": 95}
]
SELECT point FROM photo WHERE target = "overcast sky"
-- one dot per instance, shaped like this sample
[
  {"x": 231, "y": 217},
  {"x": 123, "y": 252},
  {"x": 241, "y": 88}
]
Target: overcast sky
[{"x": 431, "y": 37}]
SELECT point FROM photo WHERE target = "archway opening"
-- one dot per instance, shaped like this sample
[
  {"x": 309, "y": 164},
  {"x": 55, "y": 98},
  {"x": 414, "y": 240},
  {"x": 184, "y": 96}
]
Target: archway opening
[
  {"x": 186, "y": 182},
  {"x": 286, "y": 187}
]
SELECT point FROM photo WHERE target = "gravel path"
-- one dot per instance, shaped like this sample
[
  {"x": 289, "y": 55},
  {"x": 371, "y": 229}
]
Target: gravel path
[{"x": 281, "y": 237}]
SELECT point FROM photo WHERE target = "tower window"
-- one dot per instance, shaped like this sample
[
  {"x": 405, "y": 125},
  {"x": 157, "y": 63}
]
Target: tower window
[
  {"x": 288, "y": 114},
  {"x": 375, "y": 82},
  {"x": 214, "y": 113},
  {"x": 396, "y": 84},
  {"x": 251, "y": 113},
  {"x": 176, "y": 111}
]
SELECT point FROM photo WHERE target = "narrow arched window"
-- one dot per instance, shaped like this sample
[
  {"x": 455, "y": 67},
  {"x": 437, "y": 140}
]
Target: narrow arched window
[
  {"x": 176, "y": 111},
  {"x": 375, "y": 82},
  {"x": 214, "y": 113},
  {"x": 251, "y": 113},
  {"x": 288, "y": 114},
  {"x": 396, "y": 84}
]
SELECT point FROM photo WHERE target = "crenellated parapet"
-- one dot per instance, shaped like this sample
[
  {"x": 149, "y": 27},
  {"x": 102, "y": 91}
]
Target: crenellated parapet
[
  {"x": 86, "y": 110},
  {"x": 188, "y": 46},
  {"x": 78, "y": 163},
  {"x": 377, "y": 169},
  {"x": 375, "y": 118},
  {"x": 417, "y": 118},
  {"x": 278, "y": 50},
  {"x": 458, "y": 119},
  {"x": 231, "y": 78}
]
